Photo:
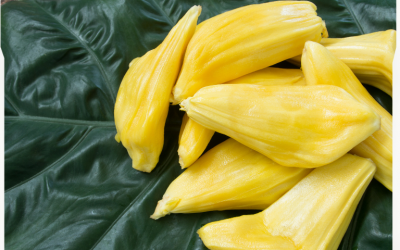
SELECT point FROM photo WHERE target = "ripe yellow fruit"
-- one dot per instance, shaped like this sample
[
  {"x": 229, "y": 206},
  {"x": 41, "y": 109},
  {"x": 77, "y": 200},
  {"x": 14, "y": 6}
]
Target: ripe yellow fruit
[
  {"x": 245, "y": 40},
  {"x": 314, "y": 214},
  {"x": 193, "y": 140},
  {"x": 142, "y": 103},
  {"x": 369, "y": 56},
  {"x": 297, "y": 126},
  {"x": 321, "y": 67},
  {"x": 272, "y": 76},
  {"x": 229, "y": 176}
]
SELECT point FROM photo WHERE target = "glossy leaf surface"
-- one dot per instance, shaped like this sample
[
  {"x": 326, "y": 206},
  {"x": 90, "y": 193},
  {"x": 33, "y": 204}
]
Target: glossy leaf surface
[{"x": 68, "y": 184}]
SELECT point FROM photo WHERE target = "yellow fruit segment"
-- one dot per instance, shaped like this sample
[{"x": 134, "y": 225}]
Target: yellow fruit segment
[
  {"x": 321, "y": 67},
  {"x": 229, "y": 176},
  {"x": 245, "y": 40},
  {"x": 369, "y": 56},
  {"x": 193, "y": 140},
  {"x": 314, "y": 214},
  {"x": 142, "y": 102},
  {"x": 272, "y": 76},
  {"x": 298, "y": 126}
]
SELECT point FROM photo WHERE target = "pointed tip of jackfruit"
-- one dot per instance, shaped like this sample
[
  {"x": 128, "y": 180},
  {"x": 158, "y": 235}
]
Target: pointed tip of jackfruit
[
  {"x": 171, "y": 99},
  {"x": 164, "y": 207},
  {"x": 182, "y": 163},
  {"x": 146, "y": 167},
  {"x": 196, "y": 9},
  {"x": 175, "y": 98},
  {"x": 185, "y": 104},
  {"x": 143, "y": 159},
  {"x": 194, "y": 12},
  {"x": 145, "y": 170},
  {"x": 200, "y": 232},
  {"x": 310, "y": 46},
  {"x": 117, "y": 138}
]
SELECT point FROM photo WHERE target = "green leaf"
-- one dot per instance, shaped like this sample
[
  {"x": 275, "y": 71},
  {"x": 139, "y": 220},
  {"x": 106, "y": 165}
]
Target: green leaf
[{"x": 68, "y": 184}]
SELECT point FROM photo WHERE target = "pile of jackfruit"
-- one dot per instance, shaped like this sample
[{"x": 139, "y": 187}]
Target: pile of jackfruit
[{"x": 304, "y": 143}]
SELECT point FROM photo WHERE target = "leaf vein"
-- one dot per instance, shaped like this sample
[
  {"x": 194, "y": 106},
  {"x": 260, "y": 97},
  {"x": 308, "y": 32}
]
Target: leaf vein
[
  {"x": 164, "y": 14},
  {"x": 90, "y": 51},
  {"x": 54, "y": 163},
  {"x": 192, "y": 232},
  {"x": 13, "y": 104},
  {"x": 353, "y": 16},
  {"x": 143, "y": 192}
]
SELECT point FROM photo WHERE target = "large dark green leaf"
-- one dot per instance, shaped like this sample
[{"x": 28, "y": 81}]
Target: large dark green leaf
[{"x": 69, "y": 185}]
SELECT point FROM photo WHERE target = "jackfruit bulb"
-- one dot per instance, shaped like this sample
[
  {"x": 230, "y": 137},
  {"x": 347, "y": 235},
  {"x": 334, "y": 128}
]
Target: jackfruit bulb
[
  {"x": 321, "y": 67},
  {"x": 245, "y": 40},
  {"x": 194, "y": 138},
  {"x": 295, "y": 126},
  {"x": 229, "y": 176},
  {"x": 369, "y": 56},
  {"x": 142, "y": 102},
  {"x": 314, "y": 214}
]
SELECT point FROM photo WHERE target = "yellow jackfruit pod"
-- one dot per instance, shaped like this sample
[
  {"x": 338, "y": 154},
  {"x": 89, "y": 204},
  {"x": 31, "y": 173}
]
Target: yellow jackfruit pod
[
  {"x": 245, "y": 40},
  {"x": 369, "y": 56},
  {"x": 295, "y": 126},
  {"x": 142, "y": 102},
  {"x": 193, "y": 140},
  {"x": 314, "y": 214},
  {"x": 321, "y": 67},
  {"x": 229, "y": 176},
  {"x": 272, "y": 76}
]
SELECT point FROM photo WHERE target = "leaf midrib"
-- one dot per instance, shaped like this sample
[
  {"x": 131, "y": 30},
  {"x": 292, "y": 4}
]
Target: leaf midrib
[
  {"x": 160, "y": 169},
  {"x": 353, "y": 16},
  {"x": 61, "y": 121}
]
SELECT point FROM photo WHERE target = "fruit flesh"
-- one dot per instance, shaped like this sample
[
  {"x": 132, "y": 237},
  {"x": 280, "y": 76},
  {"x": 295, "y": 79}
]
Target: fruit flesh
[
  {"x": 265, "y": 34},
  {"x": 142, "y": 102},
  {"x": 314, "y": 214},
  {"x": 229, "y": 176},
  {"x": 193, "y": 140},
  {"x": 272, "y": 76},
  {"x": 321, "y": 67},
  {"x": 369, "y": 56},
  {"x": 298, "y": 126}
]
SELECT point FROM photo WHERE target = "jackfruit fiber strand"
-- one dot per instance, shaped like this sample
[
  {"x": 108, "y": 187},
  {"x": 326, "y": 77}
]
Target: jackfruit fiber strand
[
  {"x": 295, "y": 126},
  {"x": 194, "y": 138},
  {"x": 142, "y": 103},
  {"x": 369, "y": 56},
  {"x": 229, "y": 176},
  {"x": 321, "y": 67},
  {"x": 314, "y": 214},
  {"x": 245, "y": 40}
]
